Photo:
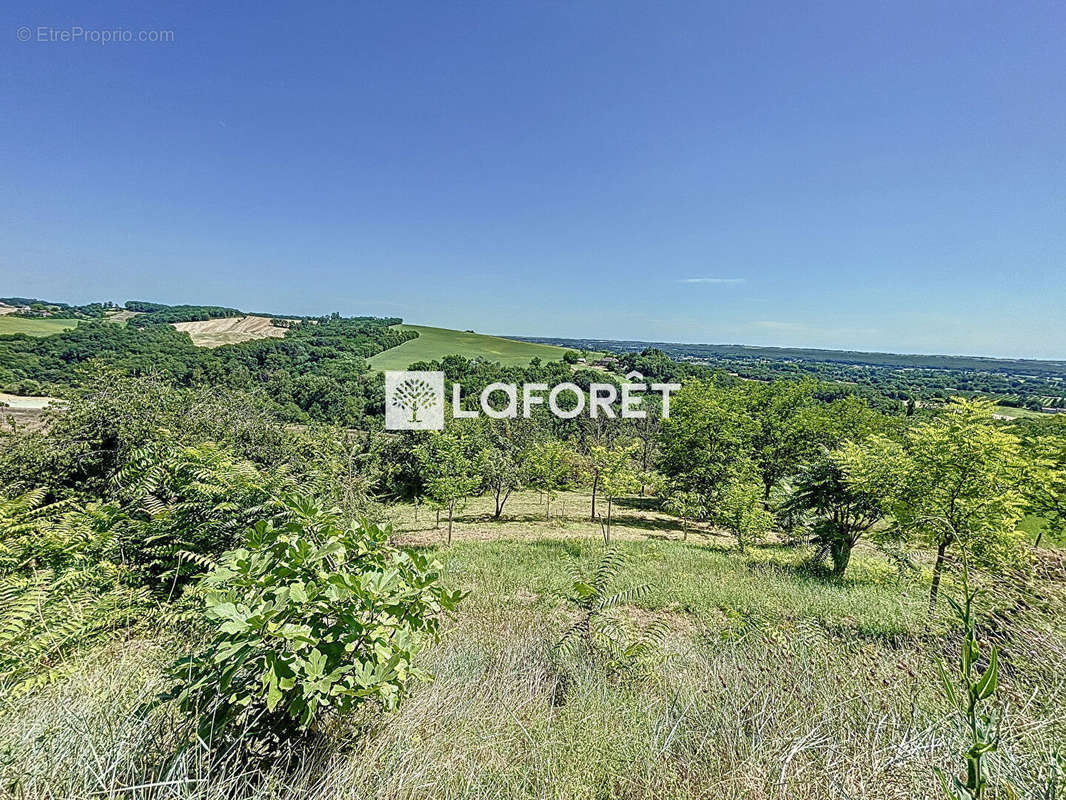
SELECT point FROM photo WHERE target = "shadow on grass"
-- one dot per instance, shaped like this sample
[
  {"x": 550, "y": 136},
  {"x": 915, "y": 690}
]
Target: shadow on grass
[{"x": 640, "y": 503}]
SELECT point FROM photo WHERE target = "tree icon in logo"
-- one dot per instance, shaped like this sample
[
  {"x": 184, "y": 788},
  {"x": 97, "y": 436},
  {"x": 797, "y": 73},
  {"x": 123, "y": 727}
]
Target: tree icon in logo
[{"x": 414, "y": 395}]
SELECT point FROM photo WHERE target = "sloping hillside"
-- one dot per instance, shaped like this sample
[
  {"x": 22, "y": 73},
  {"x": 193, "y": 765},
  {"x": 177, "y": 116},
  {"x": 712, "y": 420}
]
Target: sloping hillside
[{"x": 434, "y": 343}]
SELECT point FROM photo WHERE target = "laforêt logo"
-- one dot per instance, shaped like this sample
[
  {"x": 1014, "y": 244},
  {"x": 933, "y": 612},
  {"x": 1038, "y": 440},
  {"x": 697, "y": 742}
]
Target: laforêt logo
[{"x": 414, "y": 400}]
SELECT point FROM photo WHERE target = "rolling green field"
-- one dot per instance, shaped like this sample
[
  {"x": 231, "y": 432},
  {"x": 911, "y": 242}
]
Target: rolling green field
[
  {"x": 433, "y": 343},
  {"x": 34, "y": 327}
]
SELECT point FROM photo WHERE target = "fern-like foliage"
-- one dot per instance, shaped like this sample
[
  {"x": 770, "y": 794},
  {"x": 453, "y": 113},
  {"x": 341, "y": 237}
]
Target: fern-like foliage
[
  {"x": 189, "y": 504},
  {"x": 599, "y": 627},
  {"x": 61, "y": 585}
]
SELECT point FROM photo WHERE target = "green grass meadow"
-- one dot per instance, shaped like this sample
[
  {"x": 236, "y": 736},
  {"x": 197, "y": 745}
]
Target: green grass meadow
[
  {"x": 31, "y": 326},
  {"x": 434, "y": 343},
  {"x": 774, "y": 682}
]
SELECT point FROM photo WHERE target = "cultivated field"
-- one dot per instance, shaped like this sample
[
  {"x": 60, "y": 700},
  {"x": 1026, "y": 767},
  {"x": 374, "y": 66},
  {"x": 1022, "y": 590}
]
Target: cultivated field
[
  {"x": 773, "y": 682},
  {"x": 121, "y": 316},
  {"x": 434, "y": 343},
  {"x": 231, "y": 330}
]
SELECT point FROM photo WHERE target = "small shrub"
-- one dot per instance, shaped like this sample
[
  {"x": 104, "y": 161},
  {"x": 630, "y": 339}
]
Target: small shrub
[
  {"x": 309, "y": 620},
  {"x": 599, "y": 629}
]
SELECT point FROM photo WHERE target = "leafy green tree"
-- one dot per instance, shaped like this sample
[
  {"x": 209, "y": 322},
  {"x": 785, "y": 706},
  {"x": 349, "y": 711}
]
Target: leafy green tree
[
  {"x": 308, "y": 620},
  {"x": 707, "y": 439},
  {"x": 843, "y": 511},
  {"x": 953, "y": 480},
  {"x": 500, "y": 460},
  {"x": 789, "y": 425}
]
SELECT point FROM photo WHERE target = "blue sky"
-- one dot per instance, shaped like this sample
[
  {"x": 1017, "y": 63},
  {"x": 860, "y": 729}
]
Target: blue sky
[{"x": 886, "y": 176}]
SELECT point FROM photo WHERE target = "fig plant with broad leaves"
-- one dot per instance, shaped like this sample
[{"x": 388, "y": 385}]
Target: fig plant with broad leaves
[{"x": 309, "y": 619}]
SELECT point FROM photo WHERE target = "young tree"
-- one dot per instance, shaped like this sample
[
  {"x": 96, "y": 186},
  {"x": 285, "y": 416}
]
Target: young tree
[
  {"x": 953, "y": 480},
  {"x": 740, "y": 510},
  {"x": 500, "y": 459},
  {"x": 843, "y": 511},
  {"x": 450, "y": 469},
  {"x": 647, "y": 429},
  {"x": 547, "y": 467},
  {"x": 617, "y": 477},
  {"x": 688, "y": 506}
]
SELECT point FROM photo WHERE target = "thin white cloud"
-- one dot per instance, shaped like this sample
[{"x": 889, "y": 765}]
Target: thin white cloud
[{"x": 711, "y": 280}]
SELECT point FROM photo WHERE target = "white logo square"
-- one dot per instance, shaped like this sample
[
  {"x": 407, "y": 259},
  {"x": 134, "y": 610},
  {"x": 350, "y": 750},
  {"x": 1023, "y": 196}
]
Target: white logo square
[{"x": 414, "y": 400}]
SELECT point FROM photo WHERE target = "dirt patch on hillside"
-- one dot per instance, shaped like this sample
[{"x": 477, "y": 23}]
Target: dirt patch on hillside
[
  {"x": 216, "y": 332},
  {"x": 23, "y": 412},
  {"x": 6, "y": 309}
]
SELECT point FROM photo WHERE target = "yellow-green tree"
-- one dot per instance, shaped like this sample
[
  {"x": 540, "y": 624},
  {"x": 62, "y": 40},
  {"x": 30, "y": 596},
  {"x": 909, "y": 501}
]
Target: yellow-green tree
[
  {"x": 740, "y": 509},
  {"x": 952, "y": 481}
]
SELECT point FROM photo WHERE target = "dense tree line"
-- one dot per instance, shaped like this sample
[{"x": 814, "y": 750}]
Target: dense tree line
[{"x": 316, "y": 372}]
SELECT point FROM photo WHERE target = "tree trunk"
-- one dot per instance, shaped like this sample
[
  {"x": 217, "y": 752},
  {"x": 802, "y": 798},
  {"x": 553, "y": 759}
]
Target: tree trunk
[
  {"x": 451, "y": 512},
  {"x": 684, "y": 529},
  {"x": 609, "y": 503},
  {"x": 548, "y": 507},
  {"x": 841, "y": 554},
  {"x": 937, "y": 567},
  {"x": 643, "y": 465},
  {"x": 1039, "y": 535},
  {"x": 499, "y": 506},
  {"x": 595, "y": 485},
  {"x": 437, "y": 523}
]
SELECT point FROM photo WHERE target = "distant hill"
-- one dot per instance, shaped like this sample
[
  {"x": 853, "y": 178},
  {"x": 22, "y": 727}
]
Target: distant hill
[
  {"x": 434, "y": 343},
  {"x": 699, "y": 352}
]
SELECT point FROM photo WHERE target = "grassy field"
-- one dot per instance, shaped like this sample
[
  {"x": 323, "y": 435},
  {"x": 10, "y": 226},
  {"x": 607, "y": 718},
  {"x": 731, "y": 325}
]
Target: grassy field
[
  {"x": 34, "y": 327},
  {"x": 1020, "y": 413},
  {"x": 433, "y": 343},
  {"x": 773, "y": 682}
]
